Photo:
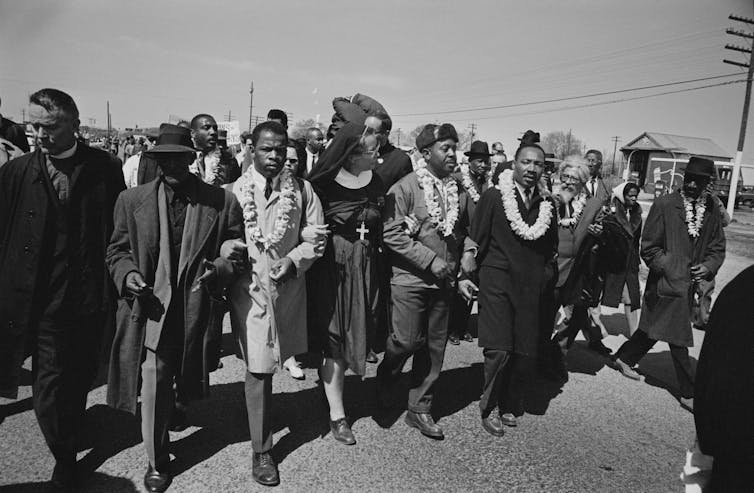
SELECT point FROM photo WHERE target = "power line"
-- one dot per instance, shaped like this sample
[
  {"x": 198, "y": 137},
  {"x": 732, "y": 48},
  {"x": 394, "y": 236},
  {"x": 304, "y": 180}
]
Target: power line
[{"x": 569, "y": 98}]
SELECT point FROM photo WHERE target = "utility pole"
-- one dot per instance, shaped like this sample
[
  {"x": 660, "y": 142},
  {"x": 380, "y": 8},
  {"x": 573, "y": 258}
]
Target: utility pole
[
  {"x": 745, "y": 114},
  {"x": 473, "y": 132},
  {"x": 398, "y": 135},
  {"x": 229, "y": 116},
  {"x": 615, "y": 139},
  {"x": 23, "y": 115},
  {"x": 568, "y": 143},
  {"x": 251, "y": 103},
  {"x": 108, "y": 125}
]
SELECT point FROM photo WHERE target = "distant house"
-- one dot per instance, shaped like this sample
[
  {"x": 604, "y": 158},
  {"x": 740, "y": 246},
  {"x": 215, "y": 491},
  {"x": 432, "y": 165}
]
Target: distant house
[{"x": 653, "y": 156}]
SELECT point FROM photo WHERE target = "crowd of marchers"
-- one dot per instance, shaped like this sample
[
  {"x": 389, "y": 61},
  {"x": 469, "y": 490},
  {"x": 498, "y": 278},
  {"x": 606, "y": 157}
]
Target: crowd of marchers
[{"x": 338, "y": 244}]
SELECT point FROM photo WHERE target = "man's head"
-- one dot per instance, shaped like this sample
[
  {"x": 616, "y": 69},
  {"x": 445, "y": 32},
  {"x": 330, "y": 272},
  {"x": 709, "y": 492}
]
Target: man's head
[
  {"x": 497, "y": 148},
  {"x": 528, "y": 165},
  {"x": 479, "y": 157},
  {"x": 246, "y": 141},
  {"x": 574, "y": 173},
  {"x": 697, "y": 177},
  {"x": 280, "y": 116},
  {"x": 173, "y": 153},
  {"x": 386, "y": 125},
  {"x": 315, "y": 139},
  {"x": 594, "y": 161},
  {"x": 55, "y": 119},
  {"x": 497, "y": 160},
  {"x": 269, "y": 147},
  {"x": 204, "y": 132},
  {"x": 437, "y": 144}
]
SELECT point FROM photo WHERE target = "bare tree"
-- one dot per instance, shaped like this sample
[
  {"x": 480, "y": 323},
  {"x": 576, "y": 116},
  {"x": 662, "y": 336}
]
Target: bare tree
[
  {"x": 562, "y": 143},
  {"x": 298, "y": 130}
]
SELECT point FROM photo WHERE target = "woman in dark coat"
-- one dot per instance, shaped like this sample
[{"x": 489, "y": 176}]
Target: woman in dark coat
[
  {"x": 623, "y": 286},
  {"x": 344, "y": 283}
]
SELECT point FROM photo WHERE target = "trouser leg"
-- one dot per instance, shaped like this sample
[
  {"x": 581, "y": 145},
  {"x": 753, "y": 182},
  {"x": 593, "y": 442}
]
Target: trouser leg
[
  {"x": 157, "y": 400},
  {"x": 458, "y": 318},
  {"x": 578, "y": 321},
  {"x": 408, "y": 316},
  {"x": 495, "y": 361},
  {"x": 258, "y": 392},
  {"x": 683, "y": 370},
  {"x": 635, "y": 348}
]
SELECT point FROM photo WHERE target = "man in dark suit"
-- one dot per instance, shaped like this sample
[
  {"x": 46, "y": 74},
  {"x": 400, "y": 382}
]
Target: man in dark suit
[
  {"x": 56, "y": 209},
  {"x": 392, "y": 163},
  {"x": 165, "y": 233},
  {"x": 595, "y": 186},
  {"x": 315, "y": 142}
]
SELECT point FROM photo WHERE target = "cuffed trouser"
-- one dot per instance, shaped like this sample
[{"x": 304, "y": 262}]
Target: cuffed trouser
[
  {"x": 258, "y": 391},
  {"x": 419, "y": 328},
  {"x": 639, "y": 345}
]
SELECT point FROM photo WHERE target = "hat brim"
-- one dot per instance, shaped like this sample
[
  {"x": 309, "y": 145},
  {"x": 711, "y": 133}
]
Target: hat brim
[
  {"x": 699, "y": 173},
  {"x": 170, "y": 148},
  {"x": 469, "y": 154}
]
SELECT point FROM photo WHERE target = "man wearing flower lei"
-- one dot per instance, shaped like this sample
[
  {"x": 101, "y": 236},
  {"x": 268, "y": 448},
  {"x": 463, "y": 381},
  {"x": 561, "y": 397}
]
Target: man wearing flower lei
[
  {"x": 213, "y": 164},
  {"x": 474, "y": 177},
  {"x": 515, "y": 230},
  {"x": 424, "y": 266},
  {"x": 268, "y": 297},
  {"x": 683, "y": 243}
]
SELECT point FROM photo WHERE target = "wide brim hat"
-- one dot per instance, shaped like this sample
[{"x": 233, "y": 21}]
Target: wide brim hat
[
  {"x": 173, "y": 139},
  {"x": 478, "y": 148},
  {"x": 700, "y": 166}
]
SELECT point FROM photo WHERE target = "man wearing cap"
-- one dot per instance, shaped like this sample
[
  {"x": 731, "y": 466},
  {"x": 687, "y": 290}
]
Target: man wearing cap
[
  {"x": 166, "y": 231},
  {"x": 424, "y": 266},
  {"x": 683, "y": 243}
]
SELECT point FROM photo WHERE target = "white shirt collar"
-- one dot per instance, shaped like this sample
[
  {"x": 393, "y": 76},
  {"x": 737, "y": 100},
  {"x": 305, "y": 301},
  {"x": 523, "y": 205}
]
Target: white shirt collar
[
  {"x": 260, "y": 181},
  {"x": 521, "y": 189},
  {"x": 66, "y": 154}
]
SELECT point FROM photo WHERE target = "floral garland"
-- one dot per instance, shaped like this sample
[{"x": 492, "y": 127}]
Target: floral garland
[
  {"x": 211, "y": 167},
  {"x": 578, "y": 208},
  {"x": 518, "y": 225},
  {"x": 426, "y": 181},
  {"x": 250, "y": 217},
  {"x": 468, "y": 183},
  {"x": 694, "y": 223}
]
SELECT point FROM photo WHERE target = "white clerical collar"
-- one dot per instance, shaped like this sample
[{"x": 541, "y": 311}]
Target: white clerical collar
[
  {"x": 260, "y": 181},
  {"x": 354, "y": 182},
  {"x": 66, "y": 154}
]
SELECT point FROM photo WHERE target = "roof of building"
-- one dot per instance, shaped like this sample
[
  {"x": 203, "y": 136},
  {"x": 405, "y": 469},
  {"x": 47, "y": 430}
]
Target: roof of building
[{"x": 681, "y": 144}]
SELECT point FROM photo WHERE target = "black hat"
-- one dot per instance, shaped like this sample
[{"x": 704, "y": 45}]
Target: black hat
[
  {"x": 478, "y": 148},
  {"x": 173, "y": 138},
  {"x": 431, "y": 133},
  {"x": 530, "y": 137},
  {"x": 700, "y": 167}
]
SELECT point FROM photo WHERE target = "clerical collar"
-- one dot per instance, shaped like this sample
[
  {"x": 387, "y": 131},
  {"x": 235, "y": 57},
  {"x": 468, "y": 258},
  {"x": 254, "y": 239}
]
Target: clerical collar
[
  {"x": 66, "y": 154},
  {"x": 260, "y": 181},
  {"x": 354, "y": 182}
]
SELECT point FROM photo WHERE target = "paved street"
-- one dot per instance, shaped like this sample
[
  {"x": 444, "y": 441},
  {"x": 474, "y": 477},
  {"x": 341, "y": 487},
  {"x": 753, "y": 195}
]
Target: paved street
[{"x": 599, "y": 432}]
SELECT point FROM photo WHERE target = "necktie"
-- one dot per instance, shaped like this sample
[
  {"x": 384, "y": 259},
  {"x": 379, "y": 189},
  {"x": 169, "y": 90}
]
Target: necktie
[
  {"x": 268, "y": 188},
  {"x": 592, "y": 186},
  {"x": 527, "y": 197}
]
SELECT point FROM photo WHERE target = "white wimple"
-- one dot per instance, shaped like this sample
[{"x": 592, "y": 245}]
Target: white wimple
[
  {"x": 426, "y": 182},
  {"x": 285, "y": 205},
  {"x": 578, "y": 208},
  {"x": 518, "y": 225},
  {"x": 694, "y": 224},
  {"x": 468, "y": 183}
]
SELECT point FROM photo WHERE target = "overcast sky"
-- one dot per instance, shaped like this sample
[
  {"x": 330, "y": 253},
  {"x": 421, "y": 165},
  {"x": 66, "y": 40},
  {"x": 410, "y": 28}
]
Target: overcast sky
[{"x": 151, "y": 59}]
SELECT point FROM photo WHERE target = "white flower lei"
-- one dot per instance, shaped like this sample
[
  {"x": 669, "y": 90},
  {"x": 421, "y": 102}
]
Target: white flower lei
[
  {"x": 578, "y": 208},
  {"x": 250, "y": 217},
  {"x": 518, "y": 225},
  {"x": 468, "y": 183},
  {"x": 426, "y": 181},
  {"x": 694, "y": 224}
]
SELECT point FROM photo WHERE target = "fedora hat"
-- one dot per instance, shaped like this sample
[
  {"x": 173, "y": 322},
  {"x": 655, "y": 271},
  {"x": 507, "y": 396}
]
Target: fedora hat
[
  {"x": 172, "y": 138},
  {"x": 700, "y": 167},
  {"x": 478, "y": 148}
]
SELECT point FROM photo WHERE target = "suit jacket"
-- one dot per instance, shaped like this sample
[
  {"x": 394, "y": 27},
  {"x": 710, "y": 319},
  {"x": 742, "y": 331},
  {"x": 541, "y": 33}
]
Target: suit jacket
[
  {"x": 140, "y": 243},
  {"x": 602, "y": 193},
  {"x": 24, "y": 208}
]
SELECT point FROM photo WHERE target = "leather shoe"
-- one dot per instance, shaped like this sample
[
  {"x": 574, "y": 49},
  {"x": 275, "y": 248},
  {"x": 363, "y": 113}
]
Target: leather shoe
[
  {"x": 178, "y": 421},
  {"x": 155, "y": 481},
  {"x": 264, "y": 470},
  {"x": 454, "y": 340},
  {"x": 341, "y": 431},
  {"x": 467, "y": 337},
  {"x": 371, "y": 357},
  {"x": 626, "y": 370},
  {"x": 63, "y": 478},
  {"x": 600, "y": 348},
  {"x": 424, "y": 423},
  {"x": 493, "y": 425},
  {"x": 508, "y": 419}
]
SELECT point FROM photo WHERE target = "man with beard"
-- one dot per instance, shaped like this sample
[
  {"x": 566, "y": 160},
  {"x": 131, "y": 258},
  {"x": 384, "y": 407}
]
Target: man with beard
[
  {"x": 683, "y": 243},
  {"x": 424, "y": 271},
  {"x": 515, "y": 229},
  {"x": 56, "y": 217},
  {"x": 213, "y": 165}
]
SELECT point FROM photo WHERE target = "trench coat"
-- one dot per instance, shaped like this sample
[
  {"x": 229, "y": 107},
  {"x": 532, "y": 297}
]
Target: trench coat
[
  {"x": 269, "y": 319},
  {"x": 670, "y": 252},
  {"x": 140, "y": 243}
]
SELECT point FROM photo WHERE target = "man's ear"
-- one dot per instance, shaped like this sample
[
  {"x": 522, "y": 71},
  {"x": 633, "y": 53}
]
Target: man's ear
[{"x": 425, "y": 153}]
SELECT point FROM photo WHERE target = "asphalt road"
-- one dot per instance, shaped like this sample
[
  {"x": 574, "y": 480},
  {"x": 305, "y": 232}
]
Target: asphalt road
[{"x": 599, "y": 432}]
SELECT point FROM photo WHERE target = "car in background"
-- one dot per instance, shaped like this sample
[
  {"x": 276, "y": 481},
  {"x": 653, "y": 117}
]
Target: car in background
[{"x": 745, "y": 198}]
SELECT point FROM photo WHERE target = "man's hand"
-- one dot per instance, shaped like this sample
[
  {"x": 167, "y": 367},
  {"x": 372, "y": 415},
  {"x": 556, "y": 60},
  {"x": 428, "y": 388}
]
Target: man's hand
[
  {"x": 595, "y": 229},
  {"x": 467, "y": 289},
  {"x": 412, "y": 224},
  {"x": 439, "y": 268},
  {"x": 210, "y": 274},
  {"x": 282, "y": 270},
  {"x": 468, "y": 263},
  {"x": 135, "y": 284},
  {"x": 233, "y": 250},
  {"x": 699, "y": 272},
  {"x": 316, "y": 234}
]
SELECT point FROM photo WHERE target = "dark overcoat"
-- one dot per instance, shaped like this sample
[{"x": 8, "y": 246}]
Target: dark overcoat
[
  {"x": 629, "y": 276},
  {"x": 670, "y": 252},
  {"x": 24, "y": 206},
  {"x": 136, "y": 244},
  {"x": 512, "y": 268}
]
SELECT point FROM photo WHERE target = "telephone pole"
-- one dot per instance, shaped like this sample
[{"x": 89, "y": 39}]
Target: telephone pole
[
  {"x": 615, "y": 140},
  {"x": 747, "y": 100},
  {"x": 473, "y": 132},
  {"x": 398, "y": 135},
  {"x": 251, "y": 103},
  {"x": 229, "y": 116}
]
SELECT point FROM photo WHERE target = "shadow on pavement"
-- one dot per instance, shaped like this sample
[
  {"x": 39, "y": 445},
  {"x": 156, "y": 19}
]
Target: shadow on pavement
[
  {"x": 107, "y": 433},
  {"x": 658, "y": 371},
  {"x": 98, "y": 483},
  {"x": 14, "y": 408},
  {"x": 580, "y": 359}
]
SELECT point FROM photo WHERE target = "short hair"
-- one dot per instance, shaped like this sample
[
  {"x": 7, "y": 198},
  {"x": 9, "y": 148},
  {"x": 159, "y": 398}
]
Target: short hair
[
  {"x": 55, "y": 100},
  {"x": 387, "y": 122},
  {"x": 268, "y": 126},
  {"x": 578, "y": 163},
  {"x": 278, "y": 115},
  {"x": 195, "y": 120},
  {"x": 184, "y": 124},
  {"x": 313, "y": 129},
  {"x": 595, "y": 152},
  {"x": 526, "y": 146},
  {"x": 245, "y": 135}
]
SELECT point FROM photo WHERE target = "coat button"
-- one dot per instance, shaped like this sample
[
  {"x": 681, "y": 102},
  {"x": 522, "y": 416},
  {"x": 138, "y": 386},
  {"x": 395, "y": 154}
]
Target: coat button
[
  {"x": 27, "y": 249},
  {"x": 31, "y": 213}
]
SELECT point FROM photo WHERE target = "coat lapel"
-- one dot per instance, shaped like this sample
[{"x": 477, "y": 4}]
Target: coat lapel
[{"x": 200, "y": 220}]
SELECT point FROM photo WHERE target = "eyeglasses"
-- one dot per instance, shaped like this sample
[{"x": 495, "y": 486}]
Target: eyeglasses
[{"x": 569, "y": 179}]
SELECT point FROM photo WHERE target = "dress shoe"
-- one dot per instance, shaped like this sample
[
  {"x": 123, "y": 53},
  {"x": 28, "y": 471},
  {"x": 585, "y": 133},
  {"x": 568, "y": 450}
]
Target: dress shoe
[
  {"x": 626, "y": 370},
  {"x": 467, "y": 337},
  {"x": 155, "y": 481},
  {"x": 493, "y": 425},
  {"x": 600, "y": 348},
  {"x": 178, "y": 421},
  {"x": 264, "y": 470},
  {"x": 63, "y": 478},
  {"x": 341, "y": 431},
  {"x": 454, "y": 340},
  {"x": 687, "y": 403},
  {"x": 508, "y": 419},
  {"x": 371, "y": 357},
  {"x": 424, "y": 423},
  {"x": 295, "y": 371}
]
